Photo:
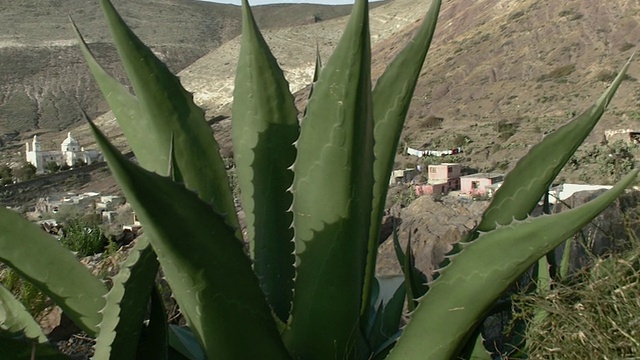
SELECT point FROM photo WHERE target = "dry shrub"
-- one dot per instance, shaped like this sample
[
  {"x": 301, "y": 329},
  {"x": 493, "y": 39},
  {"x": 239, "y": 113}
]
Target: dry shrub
[
  {"x": 432, "y": 122},
  {"x": 558, "y": 73},
  {"x": 597, "y": 316}
]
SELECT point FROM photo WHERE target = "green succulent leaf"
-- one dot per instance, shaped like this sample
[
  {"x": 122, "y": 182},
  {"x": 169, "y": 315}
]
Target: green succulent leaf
[
  {"x": 416, "y": 283},
  {"x": 154, "y": 341},
  {"x": 375, "y": 295},
  {"x": 391, "y": 99},
  {"x": 332, "y": 201},
  {"x": 483, "y": 270},
  {"x": 479, "y": 352},
  {"x": 565, "y": 262},
  {"x": 265, "y": 126},
  {"x": 124, "y": 105},
  {"x": 40, "y": 259},
  {"x": 126, "y": 308},
  {"x": 204, "y": 263},
  {"x": 12, "y": 348},
  {"x": 15, "y": 319},
  {"x": 387, "y": 322},
  {"x": 167, "y": 110},
  {"x": 185, "y": 343},
  {"x": 316, "y": 74},
  {"x": 415, "y": 280},
  {"x": 529, "y": 180},
  {"x": 543, "y": 276}
]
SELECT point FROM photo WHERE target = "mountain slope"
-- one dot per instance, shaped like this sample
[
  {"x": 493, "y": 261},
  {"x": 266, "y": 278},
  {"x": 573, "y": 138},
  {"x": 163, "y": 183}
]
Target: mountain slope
[
  {"x": 43, "y": 79},
  {"x": 499, "y": 75}
]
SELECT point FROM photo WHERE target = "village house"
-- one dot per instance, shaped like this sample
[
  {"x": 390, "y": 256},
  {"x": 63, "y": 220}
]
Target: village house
[
  {"x": 107, "y": 207},
  {"x": 70, "y": 154},
  {"x": 480, "y": 184},
  {"x": 402, "y": 176},
  {"x": 135, "y": 227},
  {"x": 442, "y": 179},
  {"x": 565, "y": 191},
  {"x": 54, "y": 203}
]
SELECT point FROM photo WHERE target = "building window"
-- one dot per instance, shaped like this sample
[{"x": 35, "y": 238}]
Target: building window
[
  {"x": 475, "y": 184},
  {"x": 449, "y": 169},
  {"x": 433, "y": 170}
]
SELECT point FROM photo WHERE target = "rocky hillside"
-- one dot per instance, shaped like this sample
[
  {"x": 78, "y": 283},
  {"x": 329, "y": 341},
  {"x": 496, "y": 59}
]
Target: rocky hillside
[
  {"x": 499, "y": 75},
  {"x": 43, "y": 79}
]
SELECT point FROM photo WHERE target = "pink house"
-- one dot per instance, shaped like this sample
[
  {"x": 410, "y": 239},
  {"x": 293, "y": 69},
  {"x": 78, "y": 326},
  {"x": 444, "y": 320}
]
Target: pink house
[
  {"x": 442, "y": 178},
  {"x": 477, "y": 184},
  {"x": 448, "y": 173},
  {"x": 431, "y": 189}
]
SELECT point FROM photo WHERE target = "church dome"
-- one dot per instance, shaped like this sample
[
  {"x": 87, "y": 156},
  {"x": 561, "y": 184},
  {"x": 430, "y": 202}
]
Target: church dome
[{"x": 70, "y": 140}]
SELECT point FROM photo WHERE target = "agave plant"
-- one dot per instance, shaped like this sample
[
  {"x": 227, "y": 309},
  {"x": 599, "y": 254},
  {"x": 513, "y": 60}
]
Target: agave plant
[{"x": 313, "y": 194}]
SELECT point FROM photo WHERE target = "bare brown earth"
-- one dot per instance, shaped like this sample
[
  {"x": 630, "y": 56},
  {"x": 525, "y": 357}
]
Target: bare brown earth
[
  {"x": 44, "y": 81},
  {"x": 531, "y": 64}
]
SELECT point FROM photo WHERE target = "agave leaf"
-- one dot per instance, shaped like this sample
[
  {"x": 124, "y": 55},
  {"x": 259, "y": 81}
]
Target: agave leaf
[
  {"x": 388, "y": 321},
  {"x": 391, "y": 99},
  {"x": 169, "y": 111},
  {"x": 184, "y": 343},
  {"x": 20, "y": 349},
  {"x": 479, "y": 352},
  {"x": 373, "y": 313},
  {"x": 415, "y": 280},
  {"x": 484, "y": 269},
  {"x": 127, "y": 302},
  {"x": 15, "y": 319},
  {"x": 123, "y": 104},
  {"x": 204, "y": 263},
  {"x": 53, "y": 269},
  {"x": 265, "y": 126},
  {"x": 316, "y": 73},
  {"x": 416, "y": 284},
  {"x": 154, "y": 342},
  {"x": 543, "y": 277},
  {"x": 529, "y": 180},
  {"x": 332, "y": 201},
  {"x": 565, "y": 262}
]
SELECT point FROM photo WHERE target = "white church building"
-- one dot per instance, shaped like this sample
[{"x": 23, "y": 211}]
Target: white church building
[{"x": 70, "y": 154}]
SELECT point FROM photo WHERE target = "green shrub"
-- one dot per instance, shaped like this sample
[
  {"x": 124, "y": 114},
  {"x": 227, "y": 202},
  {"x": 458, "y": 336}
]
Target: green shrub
[
  {"x": 607, "y": 163},
  {"x": 83, "y": 238},
  {"x": 25, "y": 172},
  {"x": 33, "y": 299},
  {"x": 6, "y": 175},
  {"x": 52, "y": 167},
  {"x": 460, "y": 140}
]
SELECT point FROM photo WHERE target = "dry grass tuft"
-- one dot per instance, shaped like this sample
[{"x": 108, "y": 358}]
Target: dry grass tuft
[{"x": 597, "y": 316}]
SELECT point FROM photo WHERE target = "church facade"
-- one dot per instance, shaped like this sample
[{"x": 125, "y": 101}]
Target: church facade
[{"x": 70, "y": 154}]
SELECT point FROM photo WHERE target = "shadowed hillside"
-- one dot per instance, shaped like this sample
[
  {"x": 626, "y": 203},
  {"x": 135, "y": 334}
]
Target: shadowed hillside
[{"x": 44, "y": 81}]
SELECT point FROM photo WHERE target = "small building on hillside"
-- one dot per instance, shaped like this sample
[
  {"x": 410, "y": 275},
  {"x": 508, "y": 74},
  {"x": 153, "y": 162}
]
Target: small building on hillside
[
  {"x": 448, "y": 173},
  {"x": 480, "y": 184},
  {"x": 442, "y": 179},
  {"x": 431, "y": 189},
  {"x": 402, "y": 176},
  {"x": 564, "y": 191},
  {"x": 70, "y": 154},
  {"x": 55, "y": 203}
]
